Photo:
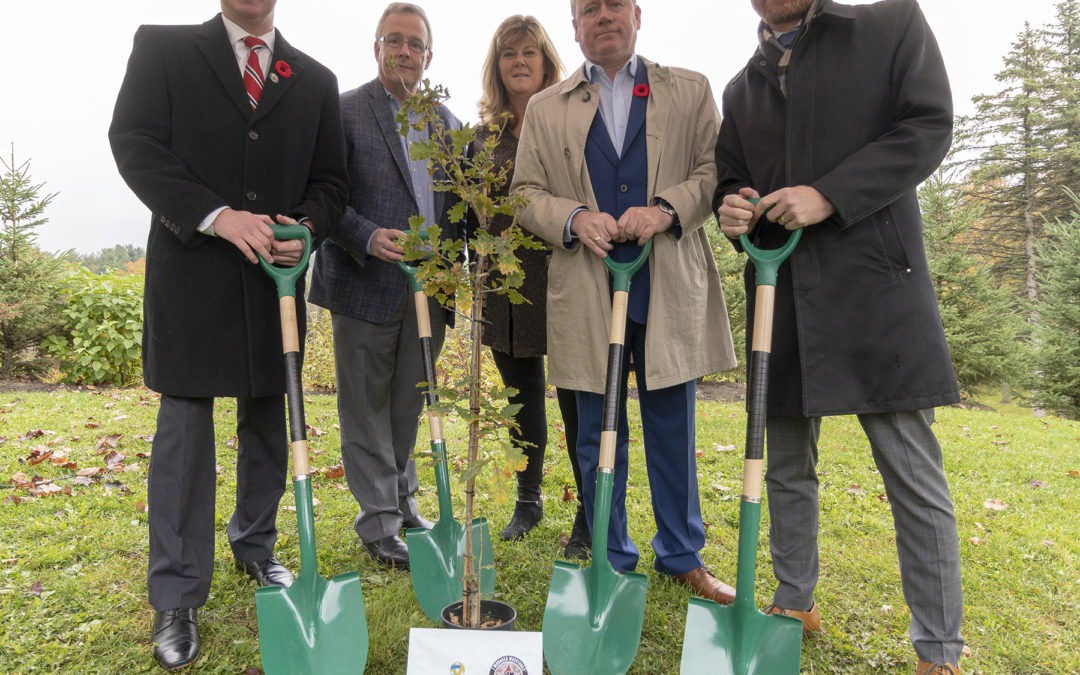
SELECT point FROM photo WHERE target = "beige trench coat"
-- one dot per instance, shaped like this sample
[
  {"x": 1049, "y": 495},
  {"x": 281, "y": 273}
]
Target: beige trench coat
[{"x": 688, "y": 333}]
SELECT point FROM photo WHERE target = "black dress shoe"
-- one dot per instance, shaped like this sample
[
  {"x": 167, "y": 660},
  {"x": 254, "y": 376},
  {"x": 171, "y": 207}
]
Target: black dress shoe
[
  {"x": 176, "y": 638},
  {"x": 526, "y": 516},
  {"x": 417, "y": 521},
  {"x": 269, "y": 572},
  {"x": 579, "y": 546},
  {"x": 390, "y": 551}
]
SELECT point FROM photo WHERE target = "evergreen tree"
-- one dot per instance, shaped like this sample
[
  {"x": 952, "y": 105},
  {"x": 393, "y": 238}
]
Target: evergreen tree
[
  {"x": 1059, "y": 311},
  {"x": 112, "y": 258},
  {"x": 1007, "y": 144},
  {"x": 28, "y": 276},
  {"x": 1063, "y": 99},
  {"x": 983, "y": 325}
]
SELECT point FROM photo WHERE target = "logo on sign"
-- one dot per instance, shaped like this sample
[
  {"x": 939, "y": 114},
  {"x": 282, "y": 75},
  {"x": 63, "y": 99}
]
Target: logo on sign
[
  {"x": 509, "y": 665},
  {"x": 457, "y": 669}
]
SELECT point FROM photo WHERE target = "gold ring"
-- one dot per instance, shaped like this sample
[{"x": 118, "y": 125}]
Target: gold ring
[
  {"x": 784, "y": 219},
  {"x": 598, "y": 239}
]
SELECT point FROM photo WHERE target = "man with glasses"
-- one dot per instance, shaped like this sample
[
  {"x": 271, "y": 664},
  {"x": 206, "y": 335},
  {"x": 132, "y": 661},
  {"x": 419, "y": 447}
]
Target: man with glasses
[{"x": 376, "y": 346}]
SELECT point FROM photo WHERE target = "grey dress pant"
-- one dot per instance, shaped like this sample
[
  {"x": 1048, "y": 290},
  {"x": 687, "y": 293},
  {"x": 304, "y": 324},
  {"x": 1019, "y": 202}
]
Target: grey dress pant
[
  {"x": 908, "y": 457},
  {"x": 378, "y": 366},
  {"x": 181, "y": 493}
]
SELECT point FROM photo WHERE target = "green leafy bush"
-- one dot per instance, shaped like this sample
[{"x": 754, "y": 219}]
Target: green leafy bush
[
  {"x": 101, "y": 338},
  {"x": 319, "y": 370},
  {"x": 1059, "y": 318}
]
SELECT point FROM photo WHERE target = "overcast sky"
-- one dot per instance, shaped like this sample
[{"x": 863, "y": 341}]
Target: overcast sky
[{"x": 65, "y": 61}]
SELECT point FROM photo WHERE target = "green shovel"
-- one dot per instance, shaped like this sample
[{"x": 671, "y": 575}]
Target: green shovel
[
  {"x": 314, "y": 626},
  {"x": 738, "y": 639},
  {"x": 437, "y": 556},
  {"x": 592, "y": 621}
]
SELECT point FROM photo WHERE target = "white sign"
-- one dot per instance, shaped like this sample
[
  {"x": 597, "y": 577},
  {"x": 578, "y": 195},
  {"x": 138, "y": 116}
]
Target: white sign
[{"x": 448, "y": 651}]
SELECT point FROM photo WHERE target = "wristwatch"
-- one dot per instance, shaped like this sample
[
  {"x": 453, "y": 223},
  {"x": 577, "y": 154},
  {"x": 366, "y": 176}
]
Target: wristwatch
[{"x": 667, "y": 208}]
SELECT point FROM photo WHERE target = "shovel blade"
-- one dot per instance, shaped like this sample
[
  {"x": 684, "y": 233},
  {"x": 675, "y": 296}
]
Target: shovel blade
[
  {"x": 739, "y": 640},
  {"x": 592, "y": 621},
  {"x": 314, "y": 626},
  {"x": 437, "y": 563}
]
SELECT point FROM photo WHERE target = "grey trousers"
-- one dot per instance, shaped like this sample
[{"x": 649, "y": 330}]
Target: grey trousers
[
  {"x": 908, "y": 457},
  {"x": 181, "y": 491},
  {"x": 378, "y": 367}
]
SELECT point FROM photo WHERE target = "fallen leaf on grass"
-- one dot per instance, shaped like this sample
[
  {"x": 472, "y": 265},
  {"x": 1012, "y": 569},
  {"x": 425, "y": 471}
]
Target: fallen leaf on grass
[
  {"x": 37, "y": 588},
  {"x": 723, "y": 448},
  {"x": 90, "y": 471},
  {"x": 568, "y": 494},
  {"x": 1073, "y": 473},
  {"x": 32, "y": 434},
  {"x": 82, "y": 480},
  {"x": 46, "y": 488},
  {"x": 114, "y": 461},
  {"x": 333, "y": 472},
  {"x": 149, "y": 438},
  {"x": 883, "y": 498},
  {"x": 92, "y": 425},
  {"x": 106, "y": 443},
  {"x": 231, "y": 443},
  {"x": 38, "y": 455},
  {"x": 995, "y": 504},
  {"x": 315, "y": 432},
  {"x": 966, "y": 651},
  {"x": 252, "y": 671},
  {"x": 9, "y": 561},
  {"x": 856, "y": 490},
  {"x": 118, "y": 486},
  {"x": 699, "y": 453},
  {"x": 20, "y": 480},
  {"x": 720, "y": 488},
  {"x": 1048, "y": 542},
  {"x": 1038, "y": 483},
  {"x": 118, "y": 418},
  {"x": 217, "y": 469},
  {"x": 977, "y": 541},
  {"x": 13, "y": 499},
  {"x": 141, "y": 506}
]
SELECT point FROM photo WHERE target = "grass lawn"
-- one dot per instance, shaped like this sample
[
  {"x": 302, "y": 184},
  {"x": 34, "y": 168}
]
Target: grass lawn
[{"x": 73, "y": 566}]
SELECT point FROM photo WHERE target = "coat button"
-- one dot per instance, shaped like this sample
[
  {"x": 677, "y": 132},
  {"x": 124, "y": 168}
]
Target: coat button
[
  {"x": 587, "y": 97},
  {"x": 251, "y": 196},
  {"x": 566, "y": 153},
  {"x": 762, "y": 63},
  {"x": 162, "y": 219},
  {"x": 624, "y": 187},
  {"x": 253, "y": 135}
]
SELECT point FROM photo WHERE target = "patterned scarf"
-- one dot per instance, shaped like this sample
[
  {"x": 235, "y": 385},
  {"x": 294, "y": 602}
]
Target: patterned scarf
[{"x": 768, "y": 40}]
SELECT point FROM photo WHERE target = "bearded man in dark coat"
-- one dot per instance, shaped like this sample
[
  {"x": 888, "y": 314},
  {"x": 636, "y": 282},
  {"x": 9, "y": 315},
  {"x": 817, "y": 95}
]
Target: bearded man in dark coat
[
  {"x": 841, "y": 112},
  {"x": 220, "y": 129}
]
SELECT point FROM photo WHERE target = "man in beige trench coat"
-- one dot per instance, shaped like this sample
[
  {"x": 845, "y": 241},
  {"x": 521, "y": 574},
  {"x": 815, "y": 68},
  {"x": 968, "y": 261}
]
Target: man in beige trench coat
[{"x": 621, "y": 151}]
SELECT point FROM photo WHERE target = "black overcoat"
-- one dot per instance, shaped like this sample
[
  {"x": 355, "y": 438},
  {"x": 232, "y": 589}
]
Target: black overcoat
[
  {"x": 868, "y": 117},
  {"x": 187, "y": 142}
]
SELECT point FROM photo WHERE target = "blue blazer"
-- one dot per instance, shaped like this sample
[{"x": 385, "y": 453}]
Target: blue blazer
[{"x": 346, "y": 279}]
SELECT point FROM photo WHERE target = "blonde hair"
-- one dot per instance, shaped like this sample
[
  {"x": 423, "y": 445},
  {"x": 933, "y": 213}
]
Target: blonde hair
[
  {"x": 404, "y": 8},
  {"x": 495, "y": 101}
]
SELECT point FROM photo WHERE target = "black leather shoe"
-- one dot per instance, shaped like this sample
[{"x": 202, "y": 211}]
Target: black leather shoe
[
  {"x": 579, "y": 546},
  {"x": 176, "y": 638},
  {"x": 269, "y": 572},
  {"x": 417, "y": 521},
  {"x": 390, "y": 551},
  {"x": 526, "y": 516}
]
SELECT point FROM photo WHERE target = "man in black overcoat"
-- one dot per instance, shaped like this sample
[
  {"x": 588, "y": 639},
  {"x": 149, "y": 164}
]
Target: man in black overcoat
[
  {"x": 839, "y": 115},
  {"x": 220, "y": 129}
]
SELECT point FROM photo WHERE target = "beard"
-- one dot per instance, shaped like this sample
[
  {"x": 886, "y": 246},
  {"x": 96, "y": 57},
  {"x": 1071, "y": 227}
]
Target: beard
[{"x": 776, "y": 12}]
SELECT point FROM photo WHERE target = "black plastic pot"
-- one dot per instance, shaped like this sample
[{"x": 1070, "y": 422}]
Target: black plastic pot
[{"x": 489, "y": 609}]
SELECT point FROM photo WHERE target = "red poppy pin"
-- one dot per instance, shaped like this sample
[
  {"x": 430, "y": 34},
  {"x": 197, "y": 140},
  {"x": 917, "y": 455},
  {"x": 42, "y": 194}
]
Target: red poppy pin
[
  {"x": 641, "y": 90},
  {"x": 283, "y": 69}
]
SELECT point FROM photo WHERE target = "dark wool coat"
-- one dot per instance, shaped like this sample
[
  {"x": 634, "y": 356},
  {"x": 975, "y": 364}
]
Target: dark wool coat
[
  {"x": 868, "y": 117},
  {"x": 187, "y": 142},
  {"x": 519, "y": 330}
]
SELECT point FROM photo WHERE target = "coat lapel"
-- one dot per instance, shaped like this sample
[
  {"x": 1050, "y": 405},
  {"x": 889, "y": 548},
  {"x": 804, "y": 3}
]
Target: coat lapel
[
  {"x": 213, "y": 42},
  {"x": 637, "y": 107},
  {"x": 276, "y": 83},
  {"x": 656, "y": 118},
  {"x": 380, "y": 108},
  {"x": 583, "y": 102}
]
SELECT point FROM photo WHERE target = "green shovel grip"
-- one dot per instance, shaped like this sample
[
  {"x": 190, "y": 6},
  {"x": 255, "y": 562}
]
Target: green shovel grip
[
  {"x": 622, "y": 272},
  {"x": 285, "y": 277},
  {"x": 411, "y": 270},
  {"x": 767, "y": 262}
]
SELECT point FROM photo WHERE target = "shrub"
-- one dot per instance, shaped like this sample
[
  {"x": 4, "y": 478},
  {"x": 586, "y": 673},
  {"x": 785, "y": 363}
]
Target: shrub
[
  {"x": 1058, "y": 388},
  {"x": 101, "y": 338}
]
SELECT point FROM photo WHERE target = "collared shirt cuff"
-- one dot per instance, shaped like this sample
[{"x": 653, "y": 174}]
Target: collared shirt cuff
[
  {"x": 207, "y": 225},
  {"x": 568, "y": 237}
]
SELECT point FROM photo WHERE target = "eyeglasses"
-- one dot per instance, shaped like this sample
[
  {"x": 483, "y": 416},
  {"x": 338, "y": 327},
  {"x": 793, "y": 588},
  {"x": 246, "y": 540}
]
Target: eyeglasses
[{"x": 394, "y": 41}]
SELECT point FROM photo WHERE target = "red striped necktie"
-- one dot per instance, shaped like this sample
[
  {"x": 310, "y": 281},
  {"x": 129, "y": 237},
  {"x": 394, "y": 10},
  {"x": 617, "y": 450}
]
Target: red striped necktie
[{"x": 253, "y": 75}]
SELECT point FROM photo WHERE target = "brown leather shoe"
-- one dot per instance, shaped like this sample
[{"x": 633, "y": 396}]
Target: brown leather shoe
[
  {"x": 927, "y": 668},
  {"x": 811, "y": 620},
  {"x": 703, "y": 583}
]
